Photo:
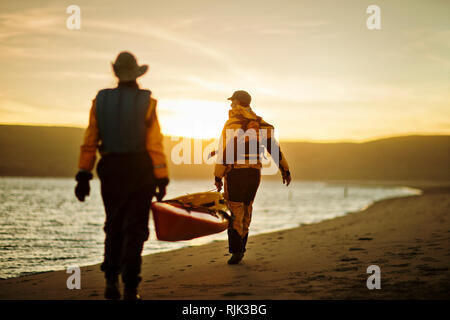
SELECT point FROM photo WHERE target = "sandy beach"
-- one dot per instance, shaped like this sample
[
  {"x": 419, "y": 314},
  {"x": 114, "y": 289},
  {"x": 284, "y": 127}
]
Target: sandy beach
[{"x": 408, "y": 238}]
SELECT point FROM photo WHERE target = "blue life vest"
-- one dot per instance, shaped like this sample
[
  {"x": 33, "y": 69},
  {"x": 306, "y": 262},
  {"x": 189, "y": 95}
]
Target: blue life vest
[{"x": 121, "y": 118}]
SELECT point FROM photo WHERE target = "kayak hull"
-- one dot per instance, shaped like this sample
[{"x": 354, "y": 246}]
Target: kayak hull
[{"x": 174, "y": 223}]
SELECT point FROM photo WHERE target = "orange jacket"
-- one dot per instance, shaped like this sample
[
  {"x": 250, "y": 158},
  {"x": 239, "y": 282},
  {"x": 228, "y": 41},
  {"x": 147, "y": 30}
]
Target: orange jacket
[
  {"x": 235, "y": 121},
  {"x": 154, "y": 142}
]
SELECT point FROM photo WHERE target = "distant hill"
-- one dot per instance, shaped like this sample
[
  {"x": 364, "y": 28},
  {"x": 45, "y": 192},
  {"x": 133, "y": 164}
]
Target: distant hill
[{"x": 54, "y": 151}]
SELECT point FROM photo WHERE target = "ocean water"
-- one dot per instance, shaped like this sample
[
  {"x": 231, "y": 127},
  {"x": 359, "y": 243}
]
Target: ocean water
[{"x": 43, "y": 227}]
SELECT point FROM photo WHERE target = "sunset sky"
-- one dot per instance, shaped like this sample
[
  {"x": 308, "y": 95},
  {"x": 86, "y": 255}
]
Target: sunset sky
[{"x": 313, "y": 68}]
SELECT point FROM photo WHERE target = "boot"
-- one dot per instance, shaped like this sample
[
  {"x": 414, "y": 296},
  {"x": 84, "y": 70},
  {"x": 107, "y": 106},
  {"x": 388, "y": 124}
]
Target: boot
[
  {"x": 236, "y": 246},
  {"x": 112, "y": 289},
  {"x": 236, "y": 258},
  {"x": 244, "y": 241},
  {"x": 131, "y": 293},
  {"x": 235, "y": 243}
]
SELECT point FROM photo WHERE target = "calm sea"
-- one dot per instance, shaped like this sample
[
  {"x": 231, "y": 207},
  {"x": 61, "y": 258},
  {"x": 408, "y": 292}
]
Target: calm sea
[{"x": 43, "y": 227}]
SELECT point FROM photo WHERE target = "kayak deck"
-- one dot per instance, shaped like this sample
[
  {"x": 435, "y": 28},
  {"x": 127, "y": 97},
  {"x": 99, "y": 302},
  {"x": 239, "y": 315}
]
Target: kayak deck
[{"x": 192, "y": 216}]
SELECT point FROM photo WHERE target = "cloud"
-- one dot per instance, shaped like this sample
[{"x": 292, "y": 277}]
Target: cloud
[
  {"x": 277, "y": 28},
  {"x": 430, "y": 43},
  {"x": 441, "y": 60},
  {"x": 148, "y": 30},
  {"x": 47, "y": 20}
]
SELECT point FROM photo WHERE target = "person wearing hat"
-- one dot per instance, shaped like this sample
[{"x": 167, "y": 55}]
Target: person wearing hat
[
  {"x": 245, "y": 138},
  {"x": 124, "y": 127}
]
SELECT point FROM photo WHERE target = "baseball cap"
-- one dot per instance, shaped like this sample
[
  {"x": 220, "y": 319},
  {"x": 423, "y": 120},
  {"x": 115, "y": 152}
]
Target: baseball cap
[{"x": 243, "y": 97}]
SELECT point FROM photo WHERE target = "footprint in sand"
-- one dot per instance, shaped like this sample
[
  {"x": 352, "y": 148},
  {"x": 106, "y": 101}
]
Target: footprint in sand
[
  {"x": 400, "y": 271},
  {"x": 304, "y": 290},
  {"x": 344, "y": 269},
  {"x": 436, "y": 235},
  {"x": 432, "y": 244},
  {"x": 401, "y": 265},
  {"x": 407, "y": 257},
  {"x": 380, "y": 261},
  {"x": 234, "y": 294},
  {"x": 431, "y": 271},
  {"x": 259, "y": 268},
  {"x": 410, "y": 254},
  {"x": 408, "y": 284},
  {"x": 318, "y": 277},
  {"x": 429, "y": 259},
  {"x": 346, "y": 259}
]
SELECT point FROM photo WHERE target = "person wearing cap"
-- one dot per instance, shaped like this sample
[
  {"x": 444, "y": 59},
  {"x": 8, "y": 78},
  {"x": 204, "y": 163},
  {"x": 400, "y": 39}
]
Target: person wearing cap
[
  {"x": 124, "y": 127},
  {"x": 245, "y": 138}
]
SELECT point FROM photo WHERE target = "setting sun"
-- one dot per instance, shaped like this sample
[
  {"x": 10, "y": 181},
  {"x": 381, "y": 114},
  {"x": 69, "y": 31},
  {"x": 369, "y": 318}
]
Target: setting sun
[{"x": 193, "y": 118}]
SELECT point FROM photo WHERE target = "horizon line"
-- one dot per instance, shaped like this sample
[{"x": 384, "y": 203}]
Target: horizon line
[{"x": 375, "y": 138}]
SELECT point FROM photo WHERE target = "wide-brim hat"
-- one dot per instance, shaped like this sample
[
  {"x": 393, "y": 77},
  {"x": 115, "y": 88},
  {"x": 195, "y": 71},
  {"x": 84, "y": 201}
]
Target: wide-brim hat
[{"x": 126, "y": 67}]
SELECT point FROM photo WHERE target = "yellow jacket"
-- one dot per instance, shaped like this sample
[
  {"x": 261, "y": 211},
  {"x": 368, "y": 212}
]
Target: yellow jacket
[
  {"x": 154, "y": 142},
  {"x": 244, "y": 118}
]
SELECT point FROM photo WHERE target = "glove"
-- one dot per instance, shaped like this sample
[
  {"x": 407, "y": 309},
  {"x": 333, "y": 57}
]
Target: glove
[
  {"x": 82, "y": 188},
  {"x": 286, "y": 175},
  {"x": 161, "y": 184},
  {"x": 218, "y": 182}
]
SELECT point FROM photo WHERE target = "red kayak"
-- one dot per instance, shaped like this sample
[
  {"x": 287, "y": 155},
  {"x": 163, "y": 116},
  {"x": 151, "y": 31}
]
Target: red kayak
[{"x": 190, "y": 217}]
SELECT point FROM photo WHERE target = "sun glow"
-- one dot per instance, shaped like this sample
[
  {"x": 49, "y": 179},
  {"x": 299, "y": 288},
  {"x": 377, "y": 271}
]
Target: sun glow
[{"x": 192, "y": 118}]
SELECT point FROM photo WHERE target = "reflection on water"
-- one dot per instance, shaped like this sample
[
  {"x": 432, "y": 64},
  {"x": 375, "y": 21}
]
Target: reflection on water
[{"x": 43, "y": 227}]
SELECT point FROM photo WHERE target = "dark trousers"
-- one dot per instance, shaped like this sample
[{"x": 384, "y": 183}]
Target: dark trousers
[
  {"x": 127, "y": 188},
  {"x": 241, "y": 187},
  {"x": 242, "y": 184}
]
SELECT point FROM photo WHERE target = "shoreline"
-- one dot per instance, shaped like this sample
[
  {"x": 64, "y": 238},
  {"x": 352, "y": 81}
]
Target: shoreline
[
  {"x": 324, "y": 260},
  {"x": 202, "y": 241}
]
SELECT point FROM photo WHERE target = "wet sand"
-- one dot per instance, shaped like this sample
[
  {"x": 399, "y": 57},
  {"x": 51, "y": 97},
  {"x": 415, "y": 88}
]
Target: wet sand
[{"x": 408, "y": 238}]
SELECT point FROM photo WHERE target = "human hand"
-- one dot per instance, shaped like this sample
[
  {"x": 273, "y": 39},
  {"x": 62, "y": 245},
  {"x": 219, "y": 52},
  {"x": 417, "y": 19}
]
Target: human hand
[
  {"x": 219, "y": 184},
  {"x": 161, "y": 184},
  {"x": 82, "y": 189},
  {"x": 286, "y": 177}
]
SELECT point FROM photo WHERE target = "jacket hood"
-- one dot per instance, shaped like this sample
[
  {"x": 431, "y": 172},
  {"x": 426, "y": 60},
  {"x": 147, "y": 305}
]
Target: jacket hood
[{"x": 240, "y": 111}]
